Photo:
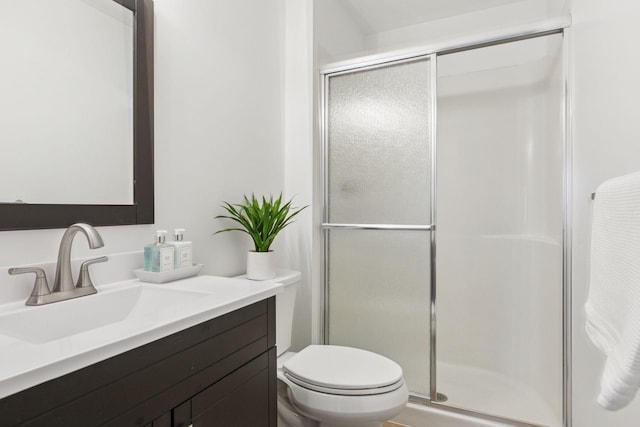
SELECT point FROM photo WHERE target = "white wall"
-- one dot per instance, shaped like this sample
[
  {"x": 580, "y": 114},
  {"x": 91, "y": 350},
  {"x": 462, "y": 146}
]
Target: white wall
[
  {"x": 336, "y": 32},
  {"x": 498, "y": 17},
  {"x": 606, "y": 66},
  {"x": 298, "y": 176},
  {"x": 338, "y": 35},
  {"x": 219, "y": 120},
  {"x": 218, "y": 131}
]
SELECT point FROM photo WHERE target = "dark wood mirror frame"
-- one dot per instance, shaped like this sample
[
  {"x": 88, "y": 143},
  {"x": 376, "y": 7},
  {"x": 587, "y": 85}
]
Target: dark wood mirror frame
[{"x": 35, "y": 216}]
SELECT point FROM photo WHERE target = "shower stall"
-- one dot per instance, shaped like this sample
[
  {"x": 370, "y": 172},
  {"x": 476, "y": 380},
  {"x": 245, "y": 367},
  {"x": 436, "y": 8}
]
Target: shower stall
[{"x": 445, "y": 221}]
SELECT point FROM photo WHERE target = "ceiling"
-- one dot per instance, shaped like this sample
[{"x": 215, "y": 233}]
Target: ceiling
[{"x": 381, "y": 15}]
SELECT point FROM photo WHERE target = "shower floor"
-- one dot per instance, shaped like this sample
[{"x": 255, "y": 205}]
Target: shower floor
[
  {"x": 492, "y": 393},
  {"x": 482, "y": 391}
]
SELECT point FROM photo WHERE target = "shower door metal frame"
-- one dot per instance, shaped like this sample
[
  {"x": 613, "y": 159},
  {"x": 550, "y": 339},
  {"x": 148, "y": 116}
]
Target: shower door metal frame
[
  {"x": 556, "y": 26},
  {"x": 429, "y": 227}
]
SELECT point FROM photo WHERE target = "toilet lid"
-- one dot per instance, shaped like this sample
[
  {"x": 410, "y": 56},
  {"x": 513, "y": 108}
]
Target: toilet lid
[{"x": 330, "y": 368}]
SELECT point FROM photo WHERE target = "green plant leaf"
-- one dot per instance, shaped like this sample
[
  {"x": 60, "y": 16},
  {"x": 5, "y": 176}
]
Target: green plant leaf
[{"x": 262, "y": 219}]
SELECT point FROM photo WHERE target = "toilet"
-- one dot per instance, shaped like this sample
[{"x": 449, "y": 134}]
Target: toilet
[{"x": 331, "y": 386}]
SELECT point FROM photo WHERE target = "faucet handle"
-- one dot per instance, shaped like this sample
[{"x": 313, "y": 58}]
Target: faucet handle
[
  {"x": 40, "y": 288},
  {"x": 84, "y": 278}
]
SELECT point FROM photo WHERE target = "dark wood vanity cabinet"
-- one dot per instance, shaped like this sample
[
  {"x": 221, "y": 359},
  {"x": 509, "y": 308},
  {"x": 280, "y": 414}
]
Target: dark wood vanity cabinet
[
  {"x": 219, "y": 373},
  {"x": 236, "y": 400}
]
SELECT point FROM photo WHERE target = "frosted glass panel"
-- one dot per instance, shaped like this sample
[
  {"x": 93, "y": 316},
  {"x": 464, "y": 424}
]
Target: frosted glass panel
[
  {"x": 499, "y": 238},
  {"x": 379, "y": 297},
  {"x": 378, "y": 145}
]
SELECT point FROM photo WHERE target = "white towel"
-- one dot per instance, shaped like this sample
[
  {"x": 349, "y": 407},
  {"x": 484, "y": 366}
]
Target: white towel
[{"x": 613, "y": 306}]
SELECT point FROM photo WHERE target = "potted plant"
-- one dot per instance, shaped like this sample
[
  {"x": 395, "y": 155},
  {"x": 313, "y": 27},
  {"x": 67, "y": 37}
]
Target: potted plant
[{"x": 262, "y": 220}]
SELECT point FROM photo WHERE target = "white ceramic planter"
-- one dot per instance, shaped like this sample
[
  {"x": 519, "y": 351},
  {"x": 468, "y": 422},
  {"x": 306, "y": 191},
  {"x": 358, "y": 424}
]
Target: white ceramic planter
[{"x": 261, "y": 265}]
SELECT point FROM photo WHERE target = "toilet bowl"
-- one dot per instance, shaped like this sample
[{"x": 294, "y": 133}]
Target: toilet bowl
[
  {"x": 288, "y": 415},
  {"x": 344, "y": 386},
  {"x": 331, "y": 386}
]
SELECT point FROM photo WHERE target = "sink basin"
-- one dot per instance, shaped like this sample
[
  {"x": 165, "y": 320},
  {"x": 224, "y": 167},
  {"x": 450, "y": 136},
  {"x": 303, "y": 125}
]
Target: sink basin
[
  {"x": 62, "y": 319},
  {"x": 41, "y": 343}
]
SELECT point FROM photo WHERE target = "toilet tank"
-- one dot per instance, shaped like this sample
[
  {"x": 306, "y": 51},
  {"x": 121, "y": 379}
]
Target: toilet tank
[{"x": 285, "y": 302}]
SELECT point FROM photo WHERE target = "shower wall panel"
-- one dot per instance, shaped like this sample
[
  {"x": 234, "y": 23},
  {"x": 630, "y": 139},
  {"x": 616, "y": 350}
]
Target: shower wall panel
[{"x": 499, "y": 221}]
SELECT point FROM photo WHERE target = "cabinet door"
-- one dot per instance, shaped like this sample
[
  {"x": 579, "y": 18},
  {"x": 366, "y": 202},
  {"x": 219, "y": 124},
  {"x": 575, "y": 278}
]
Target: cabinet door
[
  {"x": 162, "y": 421},
  {"x": 239, "y": 400},
  {"x": 181, "y": 415}
]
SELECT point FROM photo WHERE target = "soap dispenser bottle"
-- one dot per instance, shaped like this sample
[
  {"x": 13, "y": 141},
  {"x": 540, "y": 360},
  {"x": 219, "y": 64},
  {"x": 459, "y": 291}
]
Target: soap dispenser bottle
[
  {"x": 159, "y": 256},
  {"x": 183, "y": 253}
]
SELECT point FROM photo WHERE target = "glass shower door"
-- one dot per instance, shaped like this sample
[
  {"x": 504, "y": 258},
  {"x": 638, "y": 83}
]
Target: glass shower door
[
  {"x": 378, "y": 213},
  {"x": 500, "y": 229}
]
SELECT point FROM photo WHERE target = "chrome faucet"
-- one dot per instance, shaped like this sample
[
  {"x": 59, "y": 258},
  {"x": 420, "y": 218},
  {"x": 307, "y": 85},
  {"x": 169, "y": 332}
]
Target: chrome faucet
[
  {"x": 63, "y": 282},
  {"x": 63, "y": 286}
]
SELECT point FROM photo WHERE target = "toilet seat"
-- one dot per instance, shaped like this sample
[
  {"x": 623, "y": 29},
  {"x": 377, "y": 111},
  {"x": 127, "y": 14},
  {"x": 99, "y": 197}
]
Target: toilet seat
[
  {"x": 345, "y": 392},
  {"x": 343, "y": 371}
]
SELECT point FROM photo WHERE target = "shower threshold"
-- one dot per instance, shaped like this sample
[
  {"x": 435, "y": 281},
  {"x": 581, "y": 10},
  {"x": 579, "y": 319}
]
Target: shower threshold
[{"x": 479, "y": 397}]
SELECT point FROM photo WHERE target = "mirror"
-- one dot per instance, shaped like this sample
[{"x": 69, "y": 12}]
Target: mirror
[
  {"x": 67, "y": 101},
  {"x": 76, "y": 114}
]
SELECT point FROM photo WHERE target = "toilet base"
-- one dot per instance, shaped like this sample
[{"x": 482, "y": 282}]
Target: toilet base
[{"x": 289, "y": 416}]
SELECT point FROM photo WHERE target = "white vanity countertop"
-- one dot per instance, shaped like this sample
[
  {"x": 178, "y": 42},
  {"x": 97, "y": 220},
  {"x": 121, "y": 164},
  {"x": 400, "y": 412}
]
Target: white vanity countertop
[{"x": 38, "y": 344}]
